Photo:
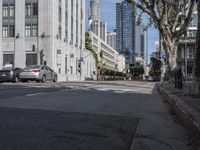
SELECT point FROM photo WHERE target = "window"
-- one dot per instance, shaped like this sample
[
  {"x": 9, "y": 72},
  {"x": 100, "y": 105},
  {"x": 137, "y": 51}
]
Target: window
[
  {"x": 191, "y": 33},
  {"x": 31, "y": 31},
  {"x": 11, "y": 31},
  {"x": 12, "y": 11},
  {"x": 35, "y": 9},
  {"x": 72, "y": 21},
  {"x": 8, "y": 58},
  {"x": 34, "y": 31},
  {"x": 60, "y": 14},
  {"x": 28, "y": 31},
  {"x": 194, "y": 21},
  {"x": 71, "y": 68},
  {"x": 31, "y": 59},
  {"x": 28, "y": 10},
  {"x": 31, "y": 9},
  {"x": 59, "y": 32},
  {"x": 66, "y": 20},
  {"x": 66, "y": 26},
  {"x": 5, "y": 11},
  {"x": 5, "y": 31},
  {"x": 66, "y": 69},
  {"x": 190, "y": 55}
]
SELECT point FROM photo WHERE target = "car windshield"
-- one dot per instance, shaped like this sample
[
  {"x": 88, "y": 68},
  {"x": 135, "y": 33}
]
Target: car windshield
[
  {"x": 5, "y": 70},
  {"x": 31, "y": 67}
]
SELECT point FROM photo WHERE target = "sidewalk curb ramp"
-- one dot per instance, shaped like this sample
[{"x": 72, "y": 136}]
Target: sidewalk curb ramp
[{"x": 188, "y": 116}]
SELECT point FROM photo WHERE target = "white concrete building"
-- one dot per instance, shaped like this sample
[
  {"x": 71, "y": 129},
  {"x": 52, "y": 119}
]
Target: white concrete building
[
  {"x": 111, "y": 39},
  {"x": 43, "y": 31},
  {"x": 110, "y": 57},
  {"x": 121, "y": 63},
  {"x": 88, "y": 66},
  {"x": 103, "y": 30}
]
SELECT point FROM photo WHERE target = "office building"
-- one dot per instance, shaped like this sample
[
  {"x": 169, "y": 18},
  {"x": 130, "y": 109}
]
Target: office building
[
  {"x": 50, "y": 32},
  {"x": 109, "y": 58},
  {"x": 111, "y": 39},
  {"x": 187, "y": 47},
  {"x": 125, "y": 28},
  {"x": 140, "y": 51}
]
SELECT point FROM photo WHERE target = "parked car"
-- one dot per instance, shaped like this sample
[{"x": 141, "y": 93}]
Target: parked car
[
  {"x": 10, "y": 75},
  {"x": 38, "y": 73}
]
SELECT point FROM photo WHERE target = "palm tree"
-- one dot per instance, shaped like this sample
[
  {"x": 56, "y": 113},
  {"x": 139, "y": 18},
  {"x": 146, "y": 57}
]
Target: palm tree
[{"x": 196, "y": 80}]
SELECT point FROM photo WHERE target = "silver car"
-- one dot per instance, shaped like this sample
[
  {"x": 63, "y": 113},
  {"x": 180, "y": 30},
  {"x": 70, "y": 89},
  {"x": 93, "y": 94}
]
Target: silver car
[{"x": 38, "y": 73}]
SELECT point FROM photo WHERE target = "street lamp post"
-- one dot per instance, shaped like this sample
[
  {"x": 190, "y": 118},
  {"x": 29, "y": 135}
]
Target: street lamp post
[{"x": 145, "y": 29}]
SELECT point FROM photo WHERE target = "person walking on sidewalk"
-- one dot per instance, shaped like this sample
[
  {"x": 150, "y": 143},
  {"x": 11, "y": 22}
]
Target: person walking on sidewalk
[{"x": 179, "y": 78}]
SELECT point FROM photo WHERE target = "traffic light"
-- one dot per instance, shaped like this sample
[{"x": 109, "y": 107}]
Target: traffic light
[
  {"x": 33, "y": 48},
  {"x": 126, "y": 52},
  {"x": 79, "y": 65}
]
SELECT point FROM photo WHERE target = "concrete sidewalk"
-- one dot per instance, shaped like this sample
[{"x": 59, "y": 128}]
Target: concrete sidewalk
[{"x": 185, "y": 106}]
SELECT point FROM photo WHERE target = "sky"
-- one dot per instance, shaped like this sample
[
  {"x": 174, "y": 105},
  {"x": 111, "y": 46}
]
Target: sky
[{"x": 108, "y": 14}]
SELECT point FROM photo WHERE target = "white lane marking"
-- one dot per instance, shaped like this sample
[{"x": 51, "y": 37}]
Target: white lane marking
[
  {"x": 29, "y": 95},
  {"x": 119, "y": 92}
]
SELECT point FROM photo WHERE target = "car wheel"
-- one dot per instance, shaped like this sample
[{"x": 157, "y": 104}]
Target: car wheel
[
  {"x": 55, "y": 79},
  {"x": 43, "y": 78},
  {"x": 37, "y": 81},
  {"x": 24, "y": 81},
  {"x": 16, "y": 80}
]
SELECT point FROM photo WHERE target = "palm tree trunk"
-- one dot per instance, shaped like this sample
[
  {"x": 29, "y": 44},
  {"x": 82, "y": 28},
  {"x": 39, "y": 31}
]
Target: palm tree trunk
[{"x": 196, "y": 72}]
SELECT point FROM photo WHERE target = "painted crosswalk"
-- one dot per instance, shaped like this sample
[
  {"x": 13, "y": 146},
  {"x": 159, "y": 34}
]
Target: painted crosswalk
[{"x": 103, "y": 87}]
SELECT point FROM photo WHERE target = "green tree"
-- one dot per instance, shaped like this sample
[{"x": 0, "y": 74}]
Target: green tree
[
  {"x": 155, "y": 69},
  {"x": 171, "y": 17},
  {"x": 136, "y": 70},
  {"x": 88, "y": 46}
]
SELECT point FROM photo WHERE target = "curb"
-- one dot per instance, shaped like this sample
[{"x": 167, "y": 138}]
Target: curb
[{"x": 188, "y": 116}]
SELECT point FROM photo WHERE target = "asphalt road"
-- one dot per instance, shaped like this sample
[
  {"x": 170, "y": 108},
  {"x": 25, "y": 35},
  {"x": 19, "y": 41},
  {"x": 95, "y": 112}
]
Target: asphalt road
[{"x": 117, "y": 115}]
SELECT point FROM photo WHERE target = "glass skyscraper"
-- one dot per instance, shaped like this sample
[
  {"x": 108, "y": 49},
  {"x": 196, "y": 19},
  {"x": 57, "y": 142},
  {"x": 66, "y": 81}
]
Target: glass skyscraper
[{"x": 125, "y": 28}]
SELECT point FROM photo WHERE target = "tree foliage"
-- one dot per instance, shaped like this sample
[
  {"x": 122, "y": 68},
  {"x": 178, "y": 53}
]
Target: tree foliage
[
  {"x": 171, "y": 17},
  {"x": 155, "y": 69},
  {"x": 88, "y": 45},
  {"x": 136, "y": 70}
]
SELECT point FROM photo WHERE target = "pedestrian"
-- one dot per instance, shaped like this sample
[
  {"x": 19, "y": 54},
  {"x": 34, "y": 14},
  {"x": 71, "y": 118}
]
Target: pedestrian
[{"x": 179, "y": 78}]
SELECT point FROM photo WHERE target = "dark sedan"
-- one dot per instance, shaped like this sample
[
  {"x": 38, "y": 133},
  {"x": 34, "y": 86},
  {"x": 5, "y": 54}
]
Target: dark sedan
[{"x": 10, "y": 74}]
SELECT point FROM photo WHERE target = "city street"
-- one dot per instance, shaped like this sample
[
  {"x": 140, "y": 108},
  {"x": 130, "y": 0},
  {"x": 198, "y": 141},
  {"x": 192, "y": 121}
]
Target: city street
[{"x": 113, "y": 115}]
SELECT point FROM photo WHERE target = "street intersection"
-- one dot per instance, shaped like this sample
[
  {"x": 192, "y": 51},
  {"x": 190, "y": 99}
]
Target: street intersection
[{"x": 114, "y": 115}]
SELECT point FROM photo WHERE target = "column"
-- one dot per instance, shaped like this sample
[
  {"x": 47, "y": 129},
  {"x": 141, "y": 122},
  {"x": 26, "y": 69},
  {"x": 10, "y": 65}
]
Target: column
[
  {"x": 20, "y": 52},
  {"x": 1, "y": 53}
]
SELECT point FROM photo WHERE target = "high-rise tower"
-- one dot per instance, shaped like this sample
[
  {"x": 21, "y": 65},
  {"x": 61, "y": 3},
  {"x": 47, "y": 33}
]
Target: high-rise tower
[
  {"x": 94, "y": 10},
  {"x": 125, "y": 26},
  {"x": 94, "y": 17},
  {"x": 95, "y": 24}
]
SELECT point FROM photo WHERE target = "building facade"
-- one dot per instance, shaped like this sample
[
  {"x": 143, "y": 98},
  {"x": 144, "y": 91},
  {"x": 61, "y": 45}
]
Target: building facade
[
  {"x": 187, "y": 48},
  {"x": 96, "y": 25},
  {"x": 111, "y": 39},
  {"x": 109, "y": 58},
  {"x": 125, "y": 28},
  {"x": 94, "y": 17},
  {"x": 103, "y": 30},
  {"x": 140, "y": 48},
  {"x": 43, "y": 32}
]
